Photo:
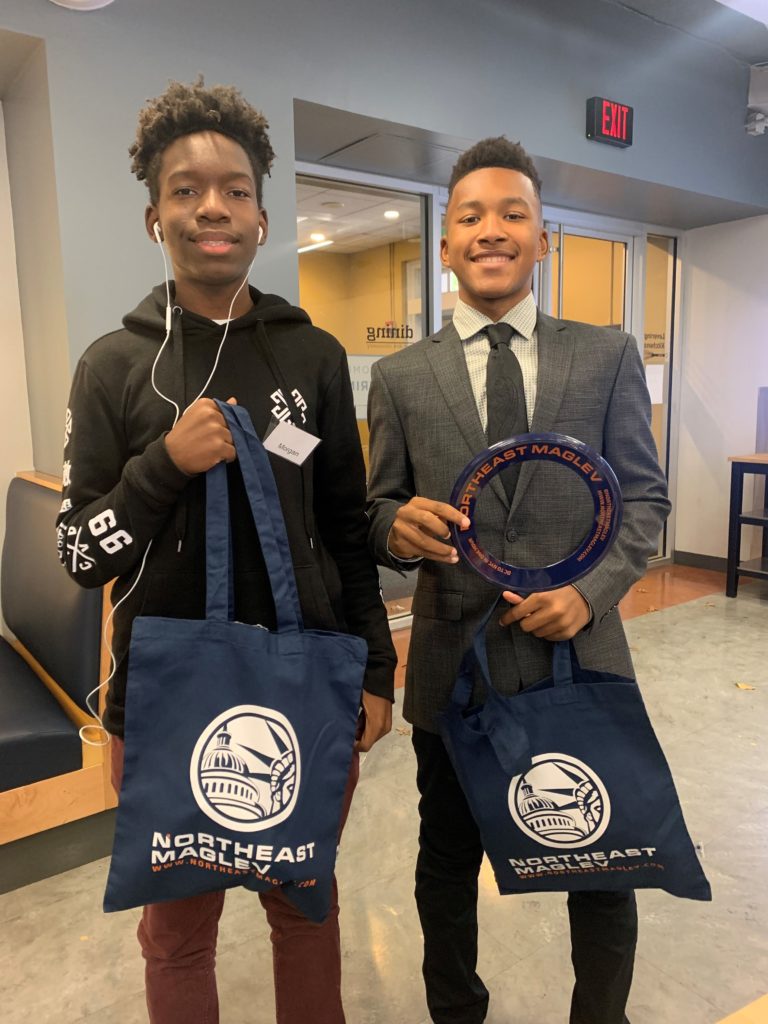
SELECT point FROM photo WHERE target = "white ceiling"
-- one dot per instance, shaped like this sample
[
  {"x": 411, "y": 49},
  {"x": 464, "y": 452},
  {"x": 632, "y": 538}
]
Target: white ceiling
[
  {"x": 757, "y": 9},
  {"x": 359, "y": 222},
  {"x": 736, "y": 26}
]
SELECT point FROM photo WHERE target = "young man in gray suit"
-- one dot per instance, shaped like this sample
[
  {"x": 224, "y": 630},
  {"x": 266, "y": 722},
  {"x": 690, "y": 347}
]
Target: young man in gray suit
[{"x": 429, "y": 416}]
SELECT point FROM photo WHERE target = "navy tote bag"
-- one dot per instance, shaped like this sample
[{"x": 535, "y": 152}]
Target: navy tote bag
[
  {"x": 238, "y": 740},
  {"x": 568, "y": 784}
]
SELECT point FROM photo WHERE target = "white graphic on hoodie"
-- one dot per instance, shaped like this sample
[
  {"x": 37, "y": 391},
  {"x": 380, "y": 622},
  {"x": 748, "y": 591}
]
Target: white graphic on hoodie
[
  {"x": 81, "y": 559},
  {"x": 115, "y": 539},
  {"x": 280, "y": 409}
]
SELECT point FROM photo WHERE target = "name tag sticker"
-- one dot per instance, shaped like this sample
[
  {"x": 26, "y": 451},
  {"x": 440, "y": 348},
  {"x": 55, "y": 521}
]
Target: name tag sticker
[{"x": 291, "y": 443}]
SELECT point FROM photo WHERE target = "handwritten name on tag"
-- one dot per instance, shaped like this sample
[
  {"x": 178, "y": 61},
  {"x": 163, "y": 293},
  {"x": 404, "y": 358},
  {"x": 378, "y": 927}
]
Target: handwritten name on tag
[{"x": 291, "y": 443}]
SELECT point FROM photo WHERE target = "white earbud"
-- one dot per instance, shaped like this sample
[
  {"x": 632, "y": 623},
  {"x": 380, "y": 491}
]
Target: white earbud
[
  {"x": 158, "y": 231},
  {"x": 261, "y": 234}
]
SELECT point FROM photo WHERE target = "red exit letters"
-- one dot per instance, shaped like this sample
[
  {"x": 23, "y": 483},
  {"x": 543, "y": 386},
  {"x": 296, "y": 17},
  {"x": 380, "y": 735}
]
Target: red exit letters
[
  {"x": 615, "y": 120},
  {"x": 609, "y": 121}
]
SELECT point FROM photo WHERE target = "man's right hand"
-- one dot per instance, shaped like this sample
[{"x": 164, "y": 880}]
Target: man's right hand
[
  {"x": 201, "y": 438},
  {"x": 420, "y": 530}
]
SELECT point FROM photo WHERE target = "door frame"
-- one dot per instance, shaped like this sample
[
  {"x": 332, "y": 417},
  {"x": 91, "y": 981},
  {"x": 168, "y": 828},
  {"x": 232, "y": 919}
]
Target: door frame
[
  {"x": 636, "y": 233},
  {"x": 430, "y": 234}
]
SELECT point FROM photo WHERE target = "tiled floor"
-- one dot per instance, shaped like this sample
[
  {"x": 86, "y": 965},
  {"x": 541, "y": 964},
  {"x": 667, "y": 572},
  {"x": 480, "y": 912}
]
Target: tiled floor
[
  {"x": 63, "y": 961},
  {"x": 660, "y": 588},
  {"x": 668, "y": 585}
]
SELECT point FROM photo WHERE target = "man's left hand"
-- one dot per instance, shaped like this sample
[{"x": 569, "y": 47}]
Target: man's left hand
[
  {"x": 551, "y": 615},
  {"x": 377, "y": 716}
]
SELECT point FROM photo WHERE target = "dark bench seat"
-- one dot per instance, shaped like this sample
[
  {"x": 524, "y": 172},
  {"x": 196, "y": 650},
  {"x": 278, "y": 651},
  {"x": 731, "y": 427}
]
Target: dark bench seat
[
  {"x": 37, "y": 740},
  {"x": 50, "y": 660}
]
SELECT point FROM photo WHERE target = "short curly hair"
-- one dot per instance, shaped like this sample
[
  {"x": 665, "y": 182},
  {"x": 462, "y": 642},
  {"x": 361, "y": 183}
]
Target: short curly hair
[
  {"x": 495, "y": 152},
  {"x": 184, "y": 109}
]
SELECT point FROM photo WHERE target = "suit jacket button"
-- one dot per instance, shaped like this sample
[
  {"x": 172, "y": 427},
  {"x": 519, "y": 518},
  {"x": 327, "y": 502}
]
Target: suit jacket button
[{"x": 512, "y": 536}]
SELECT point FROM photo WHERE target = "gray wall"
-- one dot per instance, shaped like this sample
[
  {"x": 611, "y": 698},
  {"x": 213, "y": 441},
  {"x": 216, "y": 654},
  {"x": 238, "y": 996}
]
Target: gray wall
[
  {"x": 444, "y": 65},
  {"x": 41, "y": 295},
  {"x": 725, "y": 367}
]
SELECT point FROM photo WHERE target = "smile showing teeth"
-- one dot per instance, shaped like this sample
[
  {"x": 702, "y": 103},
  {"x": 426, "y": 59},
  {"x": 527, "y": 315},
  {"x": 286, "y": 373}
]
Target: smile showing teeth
[
  {"x": 221, "y": 246},
  {"x": 491, "y": 259}
]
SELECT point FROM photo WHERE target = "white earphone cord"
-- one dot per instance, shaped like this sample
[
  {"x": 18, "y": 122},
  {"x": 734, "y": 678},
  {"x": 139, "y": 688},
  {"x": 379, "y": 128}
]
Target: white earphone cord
[{"x": 177, "y": 415}]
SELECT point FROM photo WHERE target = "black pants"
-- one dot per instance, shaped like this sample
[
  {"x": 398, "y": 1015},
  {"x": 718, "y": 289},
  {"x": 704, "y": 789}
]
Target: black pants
[{"x": 603, "y": 924}]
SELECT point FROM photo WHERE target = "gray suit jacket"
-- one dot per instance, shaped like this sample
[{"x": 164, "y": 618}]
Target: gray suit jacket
[{"x": 425, "y": 427}]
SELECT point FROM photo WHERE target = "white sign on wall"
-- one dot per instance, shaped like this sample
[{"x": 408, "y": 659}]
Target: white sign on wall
[
  {"x": 654, "y": 378},
  {"x": 360, "y": 374}
]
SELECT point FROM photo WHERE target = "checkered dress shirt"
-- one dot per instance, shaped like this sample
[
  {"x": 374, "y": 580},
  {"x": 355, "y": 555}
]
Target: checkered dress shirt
[{"x": 470, "y": 326}]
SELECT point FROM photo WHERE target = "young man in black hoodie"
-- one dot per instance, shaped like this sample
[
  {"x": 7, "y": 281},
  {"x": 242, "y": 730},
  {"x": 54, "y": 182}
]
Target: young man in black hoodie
[{"x": 142, "y": 429}]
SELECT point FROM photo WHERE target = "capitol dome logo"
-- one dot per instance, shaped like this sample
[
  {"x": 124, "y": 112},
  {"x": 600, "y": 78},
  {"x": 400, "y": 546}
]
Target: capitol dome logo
[
  {"x": 245, "y": 769},
  {"x": 560, "y": 802}
]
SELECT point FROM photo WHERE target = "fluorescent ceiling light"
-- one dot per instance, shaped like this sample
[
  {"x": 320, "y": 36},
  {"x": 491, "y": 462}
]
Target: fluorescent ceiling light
[
  {"x": 317, "y": 245},
  {"x": 300, "y": 219},
  {"x": 82, "y": 5},
  {"x": 391, "y": 214},
  {"x": 317, "y": 236}
]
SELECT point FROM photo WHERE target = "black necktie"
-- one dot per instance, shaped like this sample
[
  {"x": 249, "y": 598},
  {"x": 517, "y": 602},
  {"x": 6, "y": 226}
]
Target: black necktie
[{"x": 506, "y": 396}]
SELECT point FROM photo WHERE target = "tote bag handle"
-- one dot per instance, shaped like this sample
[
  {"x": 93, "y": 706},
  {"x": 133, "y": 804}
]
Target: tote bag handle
[
  {"x": 563, "y": 657},
  {"x": 496, "y": 721},
  {"x": 564, "y": 660},
  {"x": 267, "y": 515},
  {"x": 475, "y": 656},
  {"x": 503, "y": 728}
]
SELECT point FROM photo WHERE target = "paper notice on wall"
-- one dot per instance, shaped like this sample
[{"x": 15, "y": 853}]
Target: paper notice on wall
[
  {"x": 654, "y": 378},
  {"x": 360, "y": 374},
  {"x": 655, "y": 348}
]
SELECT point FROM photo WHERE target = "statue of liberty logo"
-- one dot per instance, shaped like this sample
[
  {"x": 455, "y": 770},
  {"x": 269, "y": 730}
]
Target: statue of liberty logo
[
  {"x": 245, "y": 768},
  {"x": 560, "y": 802}
]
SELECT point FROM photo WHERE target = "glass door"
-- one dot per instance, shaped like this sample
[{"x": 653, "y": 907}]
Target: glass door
[
  {"x": 588, "y": 277},
  {"x": 658, "y": 343},
  {"x": 622, "y": 281},
  {"x": 360, "y": 272},
  {"x": 362, "y": 277}
]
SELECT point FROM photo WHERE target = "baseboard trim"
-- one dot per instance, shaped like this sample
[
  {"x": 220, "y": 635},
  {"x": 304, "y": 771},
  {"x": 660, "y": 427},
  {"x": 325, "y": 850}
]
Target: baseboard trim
[
  {"x": 711, "y": 562},
  {"x": 48, "y": 853}
]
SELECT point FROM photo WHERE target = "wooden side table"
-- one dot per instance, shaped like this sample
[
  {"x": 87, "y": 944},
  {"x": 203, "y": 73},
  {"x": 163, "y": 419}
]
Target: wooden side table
[{"x": 757, "y": 568}]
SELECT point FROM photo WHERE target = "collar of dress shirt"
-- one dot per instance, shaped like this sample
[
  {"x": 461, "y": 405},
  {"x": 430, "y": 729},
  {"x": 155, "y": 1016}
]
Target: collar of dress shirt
[{"x": 468, "y": 321}]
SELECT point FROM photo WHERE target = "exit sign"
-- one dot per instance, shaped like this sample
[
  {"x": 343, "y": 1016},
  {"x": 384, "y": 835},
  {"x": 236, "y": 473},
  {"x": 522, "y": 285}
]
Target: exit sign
[{"x": 609, "y": 122}]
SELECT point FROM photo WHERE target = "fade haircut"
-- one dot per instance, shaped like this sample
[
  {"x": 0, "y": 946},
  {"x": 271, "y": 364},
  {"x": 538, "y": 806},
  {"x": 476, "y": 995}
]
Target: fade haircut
[
  {"x": 495, "y": 152},
  {"x": 185, "y": 109}
]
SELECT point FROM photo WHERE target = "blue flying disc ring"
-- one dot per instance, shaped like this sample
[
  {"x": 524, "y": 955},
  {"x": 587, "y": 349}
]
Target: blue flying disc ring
[{"x": 591, "y": 468}]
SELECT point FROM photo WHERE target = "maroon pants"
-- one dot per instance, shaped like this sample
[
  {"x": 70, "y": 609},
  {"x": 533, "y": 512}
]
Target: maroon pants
[{"x": 178, "y": 941}]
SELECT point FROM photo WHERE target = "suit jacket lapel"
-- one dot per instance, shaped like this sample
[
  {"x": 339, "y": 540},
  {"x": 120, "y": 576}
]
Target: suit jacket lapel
[
  {"x": 446, "y": 357},
  {"x": 555, "y": 356}
]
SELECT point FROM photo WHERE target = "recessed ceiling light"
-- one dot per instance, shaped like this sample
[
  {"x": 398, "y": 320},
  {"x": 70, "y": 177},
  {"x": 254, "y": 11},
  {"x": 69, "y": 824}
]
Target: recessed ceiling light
[
  {"x": 82, "y": 5},
  {"x": 317, "y": 236},
  {"x": 391, "y": 214}
]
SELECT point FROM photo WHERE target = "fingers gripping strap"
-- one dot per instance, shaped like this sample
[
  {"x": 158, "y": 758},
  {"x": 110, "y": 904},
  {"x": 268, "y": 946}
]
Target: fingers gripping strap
[{"x": 265, "y": 508}]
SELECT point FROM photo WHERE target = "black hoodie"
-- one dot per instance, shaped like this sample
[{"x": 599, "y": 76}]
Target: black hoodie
[{"x": 121, "y": 489}]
